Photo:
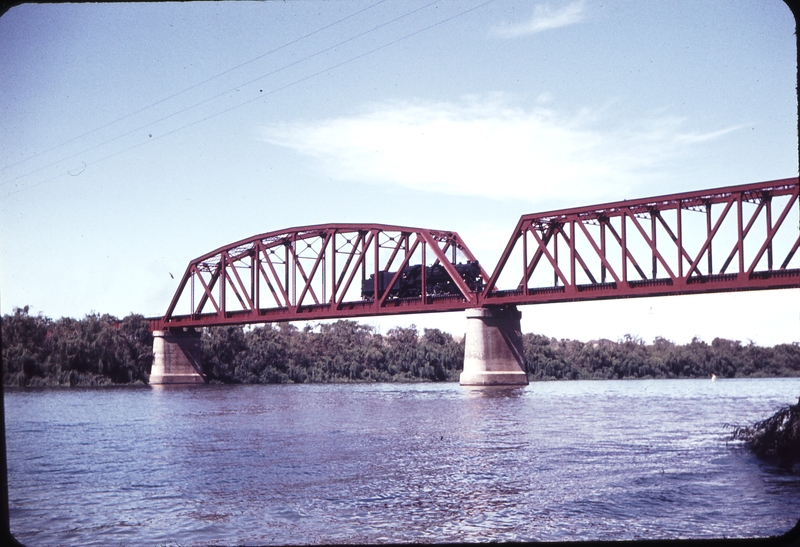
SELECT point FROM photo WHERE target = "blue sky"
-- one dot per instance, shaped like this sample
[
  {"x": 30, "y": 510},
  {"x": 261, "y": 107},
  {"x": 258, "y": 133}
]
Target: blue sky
[{"x": 136, "y": 137}]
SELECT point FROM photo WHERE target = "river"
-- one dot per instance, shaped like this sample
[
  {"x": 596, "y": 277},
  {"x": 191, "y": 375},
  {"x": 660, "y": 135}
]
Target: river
[{"x": 373, "y": 463}]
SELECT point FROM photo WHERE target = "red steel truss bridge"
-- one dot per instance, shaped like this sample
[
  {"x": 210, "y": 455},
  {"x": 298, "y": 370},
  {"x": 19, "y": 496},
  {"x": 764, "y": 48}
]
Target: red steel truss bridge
[{"x": 725, "y": 239}]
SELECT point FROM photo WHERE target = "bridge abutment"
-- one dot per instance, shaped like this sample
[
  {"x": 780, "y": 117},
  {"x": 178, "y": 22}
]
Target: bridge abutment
[
  {"x": 176, "y": 358},
  {"x": 493, "y": 354}
]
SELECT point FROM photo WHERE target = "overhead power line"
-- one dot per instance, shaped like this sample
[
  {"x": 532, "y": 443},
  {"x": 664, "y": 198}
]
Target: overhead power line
[
  {"x": 261, "y": 95},
  {"x": 218, "y": 95},
  {"x": 126, "y": 116}
]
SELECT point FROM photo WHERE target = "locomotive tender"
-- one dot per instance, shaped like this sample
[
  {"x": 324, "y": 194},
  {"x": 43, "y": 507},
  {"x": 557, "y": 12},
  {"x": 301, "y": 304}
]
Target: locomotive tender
[{"x": 437, "y": 281}]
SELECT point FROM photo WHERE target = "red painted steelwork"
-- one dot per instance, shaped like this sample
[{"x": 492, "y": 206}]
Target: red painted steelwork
[
  {"x": 315, "y": 272},
  {"x": 604, "y": 248},
  {"x": 312, "y": 272}
]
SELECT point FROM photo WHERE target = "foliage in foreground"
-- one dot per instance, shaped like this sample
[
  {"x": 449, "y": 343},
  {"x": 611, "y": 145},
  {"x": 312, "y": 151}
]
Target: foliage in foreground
[
  {"x": 100, "y": 350},
  {"x": 776, "y": 437}
]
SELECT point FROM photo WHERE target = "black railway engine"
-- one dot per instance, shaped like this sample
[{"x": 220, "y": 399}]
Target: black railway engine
[{"x": 437, "y": 281}]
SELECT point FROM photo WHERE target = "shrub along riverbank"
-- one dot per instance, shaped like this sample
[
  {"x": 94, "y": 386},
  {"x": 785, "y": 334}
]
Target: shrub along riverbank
[
  {"x": 777, "y": 437},
  {"x": 102, "y": 350}
]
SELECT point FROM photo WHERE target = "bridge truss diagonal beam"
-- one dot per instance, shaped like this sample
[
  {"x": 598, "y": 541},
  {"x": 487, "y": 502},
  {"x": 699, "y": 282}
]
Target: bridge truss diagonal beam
[
  {"x": 675, "y": 233},
  {"x": 319, "y": 272},
  {"x": 583, "y": 253}
]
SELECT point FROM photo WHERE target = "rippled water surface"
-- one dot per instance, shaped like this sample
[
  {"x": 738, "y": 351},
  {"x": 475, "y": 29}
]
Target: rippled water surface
[{"x": 393, "y": 463}]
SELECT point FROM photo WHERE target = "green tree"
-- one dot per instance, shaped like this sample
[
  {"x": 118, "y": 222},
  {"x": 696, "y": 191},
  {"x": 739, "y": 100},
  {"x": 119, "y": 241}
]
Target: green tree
[
  {"x": 220, "y": 347},
  {"x": 25, "y": 346}
]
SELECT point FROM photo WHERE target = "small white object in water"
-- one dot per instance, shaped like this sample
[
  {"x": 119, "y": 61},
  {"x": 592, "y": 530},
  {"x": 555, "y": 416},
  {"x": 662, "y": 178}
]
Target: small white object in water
[{"x": 713, "y": 377}]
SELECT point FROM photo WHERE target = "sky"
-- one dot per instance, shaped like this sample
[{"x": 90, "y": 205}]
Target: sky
[{"x": 137, "y": 137}]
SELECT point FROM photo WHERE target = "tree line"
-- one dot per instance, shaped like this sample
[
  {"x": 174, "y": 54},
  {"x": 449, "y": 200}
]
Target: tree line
[
  {"x": 551, "y": 359},
  {"x": 95, "y": 350},
  {"x": 344, "y": 351},
  {"x": 103, "y": 350}
]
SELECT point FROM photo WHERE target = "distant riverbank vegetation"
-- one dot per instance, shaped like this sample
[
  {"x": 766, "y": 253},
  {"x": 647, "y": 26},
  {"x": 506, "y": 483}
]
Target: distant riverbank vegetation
[
  {"x": 104, "y": 350},
  {"x": 93, "y": 351}
]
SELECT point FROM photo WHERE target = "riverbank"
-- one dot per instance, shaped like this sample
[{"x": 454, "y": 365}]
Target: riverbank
[{"x": 101, "y": 350}]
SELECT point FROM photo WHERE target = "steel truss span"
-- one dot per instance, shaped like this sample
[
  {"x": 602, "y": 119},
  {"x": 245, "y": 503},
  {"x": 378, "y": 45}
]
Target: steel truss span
[
  {"x": 327, "y": 271},
  {"x": 725, "y": 239}
]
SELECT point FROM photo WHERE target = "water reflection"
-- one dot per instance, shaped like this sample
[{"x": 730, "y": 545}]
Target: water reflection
[
  {"x": 495, "y": 392},
  {"x": 183, "y": 387}
]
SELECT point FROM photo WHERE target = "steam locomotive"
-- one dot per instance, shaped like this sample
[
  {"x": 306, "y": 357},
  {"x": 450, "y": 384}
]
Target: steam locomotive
[{"x": 437, "y": 281}]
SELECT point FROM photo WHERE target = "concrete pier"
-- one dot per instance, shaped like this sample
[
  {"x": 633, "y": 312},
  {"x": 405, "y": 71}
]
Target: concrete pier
[
  {"x": 493, "y": 354},
  {"x": 176, "y": 358}
]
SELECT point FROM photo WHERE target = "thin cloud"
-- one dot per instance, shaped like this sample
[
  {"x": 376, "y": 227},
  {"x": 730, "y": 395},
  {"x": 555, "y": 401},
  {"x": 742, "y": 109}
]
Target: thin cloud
[
  {"x": 545, "y": 18},
  {"x": 488, "y": 147},
  {"x": 705, "y": 137}
]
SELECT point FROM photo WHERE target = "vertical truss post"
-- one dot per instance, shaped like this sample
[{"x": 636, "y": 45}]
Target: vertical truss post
[
  {"x": 324, "y": 293},
  {"x": 572, "y": 276},
  {"x": 376, "y": 268},
  {"x": 333, "y": 268},
  {"x": 286, "y": 273},
  {"x": 653, "y": 213},
  {"x": 424, "y": 277},
  {"x": 768, "y": 199},
  {"x": 740, "y": 229},
  {"x": 223, "y": 281},
  {"x": 363, "y": 261},
  {"x": 525, "y": 261},
  {"x": 708, "y": 236},
  {"x": 602, "y": 223},
  {"x": 680, "y": 240},
  {"x": 555, "y": 255},
  {"x": 624, "y": 244},
  {"x": 294, "y": 269},
  {"x": 254, "y": 280}
]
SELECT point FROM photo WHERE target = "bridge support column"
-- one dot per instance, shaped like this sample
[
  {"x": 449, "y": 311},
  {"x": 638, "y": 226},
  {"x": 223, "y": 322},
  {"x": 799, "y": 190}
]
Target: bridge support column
[
  {"x": 176, "y": 358},
  {"x": 493, "y": 348}
]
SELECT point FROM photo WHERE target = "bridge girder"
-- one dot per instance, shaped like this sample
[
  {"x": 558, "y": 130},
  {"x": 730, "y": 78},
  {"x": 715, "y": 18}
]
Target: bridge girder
[
  {"x": 308, "y": 273},
  {"x": 605, "y": 249},
  {"x": 312, "y": 272}
]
